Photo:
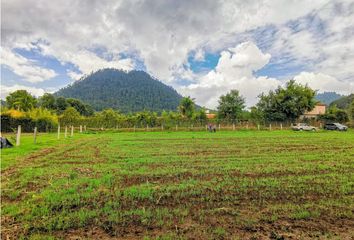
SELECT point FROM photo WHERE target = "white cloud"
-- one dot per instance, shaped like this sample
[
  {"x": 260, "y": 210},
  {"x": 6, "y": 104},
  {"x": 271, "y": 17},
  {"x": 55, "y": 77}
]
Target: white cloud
[
  {"x": 233, "y": 71},
  {"x": 162, "y": 33},
  {"x": 6, "y": 90},
  {"x": 24, "y": 67},
  {"x": 324, "y": 83}
]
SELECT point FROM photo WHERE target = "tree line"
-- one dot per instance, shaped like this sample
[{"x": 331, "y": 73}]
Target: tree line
[{"x": 284, "y": 104}]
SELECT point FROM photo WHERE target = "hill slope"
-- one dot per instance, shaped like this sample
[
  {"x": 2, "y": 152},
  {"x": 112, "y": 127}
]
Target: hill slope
[
  {"x": 343, "y": 102},
  {"x": 127, "y": 92},
  {"x": 327, "y": 97}
]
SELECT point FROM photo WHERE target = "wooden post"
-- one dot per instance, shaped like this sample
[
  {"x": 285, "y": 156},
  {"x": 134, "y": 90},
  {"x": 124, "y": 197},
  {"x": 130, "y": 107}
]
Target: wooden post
[
  {"x": 270, "y": 126},
  {"x": 281, "y": 126},
  {"x": 258, "y": 126},
  {"x": 72, "y": 131},
  {"x": 176, "y": 127},
  {"x": 147, "y": 127},
  {"x": 85, "y": 128},
  {"x": 162, "y": 127},
  {"x": 58, "y": 132},
  {"x": 18, "y": 137},
  {"x": 66, "y": 132},
  {"x": 247, "y": 126},
  {"x": 233, "y": 126},
  {"x": 35, "y": 135},
  {"x": 80, "y": 128},
  {"x": 219, "y": 127}
]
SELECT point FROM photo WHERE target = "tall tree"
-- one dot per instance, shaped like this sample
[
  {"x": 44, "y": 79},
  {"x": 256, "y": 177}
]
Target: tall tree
[
  {"x": 287, "y": 103},
  {"x": 21, "y": 100},
  {"x": 47, "y": 101},
  {"x": 231, "y": 106},
  {"x": 186, "y": 107},
  {"x": 61, "y": 104}
]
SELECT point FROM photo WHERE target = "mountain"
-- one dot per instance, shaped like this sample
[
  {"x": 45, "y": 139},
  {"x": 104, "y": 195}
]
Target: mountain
[
  {"x": 327, "y": 97},
  {"x": 343, "y": 102},
  {"x": 124, "y": 91}
]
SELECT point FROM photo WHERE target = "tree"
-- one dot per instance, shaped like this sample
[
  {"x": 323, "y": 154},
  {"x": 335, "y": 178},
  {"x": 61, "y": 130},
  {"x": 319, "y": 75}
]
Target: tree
[
  {"x": 108, "y": 118},
  {"x": 61, "y": 105},
  {"x": 231, "y": 106},
  {"x": 48, "y": 101},
  {"x": 351, "y": 110},
  {"x": 186, "y": 107},
  {"x": 83, "y": 109},
  {"x": 287, "y": 103},
  {"x": 200, "y": 116},
  {"x": 70, "y": 117},
  {"x": 21, "y": 100}
]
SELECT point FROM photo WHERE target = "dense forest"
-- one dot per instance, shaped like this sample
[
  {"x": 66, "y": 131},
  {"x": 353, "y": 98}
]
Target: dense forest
[{"x": 124, "y": 91}]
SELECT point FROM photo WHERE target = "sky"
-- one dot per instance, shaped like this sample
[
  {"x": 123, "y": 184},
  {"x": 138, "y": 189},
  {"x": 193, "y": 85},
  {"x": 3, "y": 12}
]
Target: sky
[{"x": 202, "y": 48}]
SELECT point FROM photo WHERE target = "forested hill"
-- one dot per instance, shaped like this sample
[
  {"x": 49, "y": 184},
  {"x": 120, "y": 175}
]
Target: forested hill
[
  {"x": 327, "y": 97},
  {"x": 127, "y": 92}
]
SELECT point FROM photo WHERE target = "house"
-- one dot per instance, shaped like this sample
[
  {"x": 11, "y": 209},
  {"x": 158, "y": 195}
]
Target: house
[
  {"x": 319, "y": 109},
  {"x": 211, "y": 115}
]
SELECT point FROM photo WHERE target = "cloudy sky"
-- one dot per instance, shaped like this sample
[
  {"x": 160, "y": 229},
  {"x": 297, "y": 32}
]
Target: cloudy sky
[{"x": 203, "y": 48}]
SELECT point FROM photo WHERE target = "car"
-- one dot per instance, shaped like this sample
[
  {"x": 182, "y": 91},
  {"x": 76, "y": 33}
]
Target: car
[
  {"x": 335, "y": 126},
  {"x": 303, "y": 127}
]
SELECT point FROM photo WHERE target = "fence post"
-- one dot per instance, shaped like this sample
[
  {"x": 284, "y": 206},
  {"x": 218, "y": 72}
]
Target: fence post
[
  {"x": 147, "y": 127},
  {"x": 176, "y": 127},
  {"x": 66, "y": 132},
  {"x": 58, "y": 131},
  {"x": 247, "y": 126},
  {"x": 162, "y": 127},
  {"x": 233, "y": 126},
  {"x": 80, "y": 128},
  {"x": 35, "y": 135},
  {"x": 219, "y": 127},
  {"x": 281, "y": 126},
  {"x": 134, "y": 128},
  {"x": 85, "y": 128},
  {"x": 270, "y": 126},
  {"x": 18, "y": 137},
  {"x": 72, "y": 131}
]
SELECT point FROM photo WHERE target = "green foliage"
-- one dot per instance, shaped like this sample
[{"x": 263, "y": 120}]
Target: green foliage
[
  {"x": 335, "y": 114},
  {"x": 200, "y": 116},
  {"x": 343, "y": 102},
  {"x": 127, "y": 92},
  {"x": 287, "y": 103},
  {"x": 21, "y": 100},
  {"x": 231, "y": 106},
  {"x": 70, "y": 117},
  {"x": 48, "y": 101},
  {"x": 83, "y": 109},
  {"x": 61, "y": 105},
  {"x": 186, "y": 107}
]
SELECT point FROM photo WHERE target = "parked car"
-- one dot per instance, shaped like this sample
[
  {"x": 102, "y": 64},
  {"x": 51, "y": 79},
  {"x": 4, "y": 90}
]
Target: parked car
[
  {"x": 303, "y": 127},
  {"x": 335, "y": 126}
]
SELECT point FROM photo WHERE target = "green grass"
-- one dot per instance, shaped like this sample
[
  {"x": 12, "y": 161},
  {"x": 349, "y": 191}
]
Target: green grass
[{"x": 180, "y": 185}]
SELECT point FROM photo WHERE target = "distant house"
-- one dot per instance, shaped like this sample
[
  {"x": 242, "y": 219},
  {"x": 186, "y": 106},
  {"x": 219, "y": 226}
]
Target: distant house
[
  {"x": 211, "y": 115},
  {"x": 319, "y": 109}
]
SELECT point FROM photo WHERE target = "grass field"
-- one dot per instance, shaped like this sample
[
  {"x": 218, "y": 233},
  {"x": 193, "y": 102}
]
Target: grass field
[{"x": 180, "y": 185}]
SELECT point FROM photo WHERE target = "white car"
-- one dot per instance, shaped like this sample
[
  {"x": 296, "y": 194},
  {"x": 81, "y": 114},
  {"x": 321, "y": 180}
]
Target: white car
[{"x": 303, "y": 127}]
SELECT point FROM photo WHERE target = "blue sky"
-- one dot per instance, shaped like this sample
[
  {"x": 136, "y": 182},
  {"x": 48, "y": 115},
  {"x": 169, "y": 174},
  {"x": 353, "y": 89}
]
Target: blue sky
[{"x": 203, "y": 49}]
